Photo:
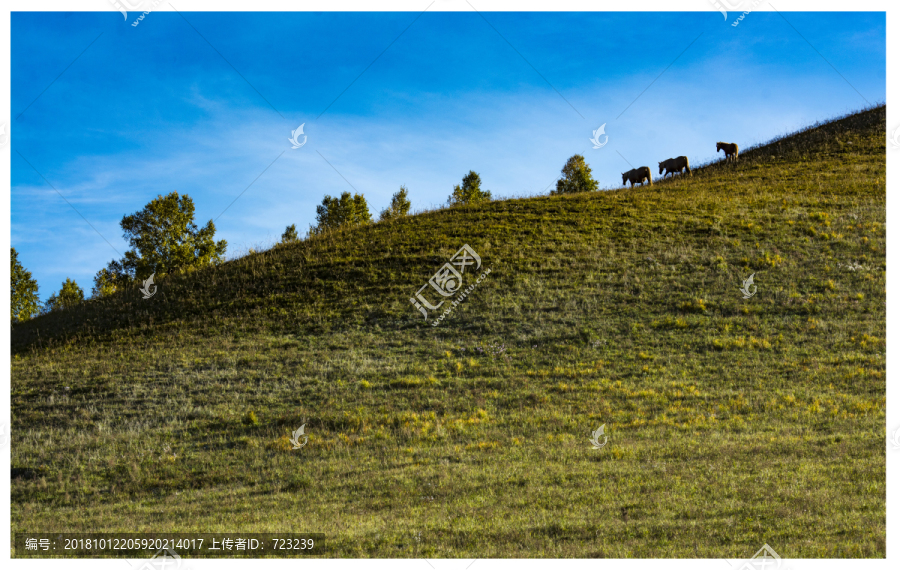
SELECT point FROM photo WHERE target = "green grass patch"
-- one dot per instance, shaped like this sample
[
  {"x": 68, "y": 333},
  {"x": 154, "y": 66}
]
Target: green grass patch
[{"x": 732, "y": 422}]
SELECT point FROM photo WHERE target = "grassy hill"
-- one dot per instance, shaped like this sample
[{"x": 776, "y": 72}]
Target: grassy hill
[{"x": 731, "y": 422}]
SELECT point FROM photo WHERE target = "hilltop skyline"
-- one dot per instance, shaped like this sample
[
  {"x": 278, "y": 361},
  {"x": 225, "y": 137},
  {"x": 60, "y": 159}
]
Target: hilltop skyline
[{"x": 150, "y": 109}]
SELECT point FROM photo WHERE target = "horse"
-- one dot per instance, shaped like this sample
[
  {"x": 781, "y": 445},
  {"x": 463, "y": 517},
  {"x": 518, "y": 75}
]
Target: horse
[
  {"x": 637, "y": 176},
  {"x": 673, "y": 165},
  {"x": 731, "y": 150}
]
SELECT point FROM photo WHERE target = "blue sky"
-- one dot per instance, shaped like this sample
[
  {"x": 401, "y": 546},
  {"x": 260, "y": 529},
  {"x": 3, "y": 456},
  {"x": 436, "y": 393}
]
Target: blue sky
[{"x": 154, "y": 108}]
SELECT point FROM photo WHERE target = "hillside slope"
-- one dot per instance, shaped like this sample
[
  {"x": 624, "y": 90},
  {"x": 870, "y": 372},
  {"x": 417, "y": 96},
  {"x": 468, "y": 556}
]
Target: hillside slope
[{"x": 731, "y": 421}]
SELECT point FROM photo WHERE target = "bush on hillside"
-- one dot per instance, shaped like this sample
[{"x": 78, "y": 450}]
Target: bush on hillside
[
  {"x": 105, "y": 283},
  {"x": 399, "y": 206},
  {"x": 290, "y": 234},
  {"x": 24, "y": 301},
  {"x": 163, "y": 240},
  {"x": 576, "y": 177},
  {"x": 470, "y": 191},
  {"x": 339, "y": 212},
  {"x": 69, "y": 296}
]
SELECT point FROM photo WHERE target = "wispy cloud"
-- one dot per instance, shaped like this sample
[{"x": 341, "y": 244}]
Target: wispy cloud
[{"x": 450, "y": 95}]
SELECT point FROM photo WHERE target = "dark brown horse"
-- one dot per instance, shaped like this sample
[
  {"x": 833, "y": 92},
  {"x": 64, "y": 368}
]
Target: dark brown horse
[
  {"x": 674, "y": 165},
  {"x": 637, "y": 176}
]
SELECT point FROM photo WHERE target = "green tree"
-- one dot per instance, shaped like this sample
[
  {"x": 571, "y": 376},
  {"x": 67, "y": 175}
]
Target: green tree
[
  {"x": 24, "y": 301},
  {"x": 69, "y": 296},
  {"x": 576, "y": 177},
  {"x": 338, "y": 212},
  {"x": 290, "y": 234},
  {"x": 105, "y": 283},
  {"x": 399, "y": 206},
  {"x": 164, "y": 239},
  {"x": 470, "y": 191}
]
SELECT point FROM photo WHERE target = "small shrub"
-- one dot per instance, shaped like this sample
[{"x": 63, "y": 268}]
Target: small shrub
[
  {"x": 576, "y": 177},
  {"x": 694, "y": 306},
  {"x": 290, "y": 234},
  {"x": 346, "y": 211},
  {"x": 69, "y": 296},
  {"x": 283, "y": 443},
  {"x": 399, "y": 207},
  {"x": 470, "y": 191}
]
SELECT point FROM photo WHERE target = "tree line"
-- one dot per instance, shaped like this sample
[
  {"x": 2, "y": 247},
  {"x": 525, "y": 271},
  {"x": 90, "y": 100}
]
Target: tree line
[{"x": 164, "y": 239}]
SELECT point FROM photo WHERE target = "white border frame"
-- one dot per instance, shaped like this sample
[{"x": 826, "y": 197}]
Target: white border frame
[{"x": 893, "y": 158}]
